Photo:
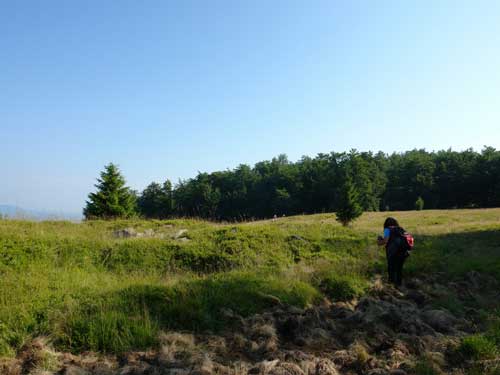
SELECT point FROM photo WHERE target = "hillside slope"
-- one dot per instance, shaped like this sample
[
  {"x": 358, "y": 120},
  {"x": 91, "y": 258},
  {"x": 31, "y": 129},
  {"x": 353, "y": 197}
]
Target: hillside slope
[{"x": 297, "y": 293}]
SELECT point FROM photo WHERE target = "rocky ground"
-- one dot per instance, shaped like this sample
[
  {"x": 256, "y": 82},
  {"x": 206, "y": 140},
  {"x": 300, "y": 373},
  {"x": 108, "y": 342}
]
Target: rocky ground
[{"x": 388, "y": 331}]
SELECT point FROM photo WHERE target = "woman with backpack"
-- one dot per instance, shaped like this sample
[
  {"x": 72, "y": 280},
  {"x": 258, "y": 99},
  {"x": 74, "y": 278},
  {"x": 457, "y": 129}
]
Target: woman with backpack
[{"x": 397, "y": 244}]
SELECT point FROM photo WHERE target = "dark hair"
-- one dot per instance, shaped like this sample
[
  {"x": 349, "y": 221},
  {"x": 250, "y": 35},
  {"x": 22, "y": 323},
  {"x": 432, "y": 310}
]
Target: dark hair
[{"x": 390, "y": 222}]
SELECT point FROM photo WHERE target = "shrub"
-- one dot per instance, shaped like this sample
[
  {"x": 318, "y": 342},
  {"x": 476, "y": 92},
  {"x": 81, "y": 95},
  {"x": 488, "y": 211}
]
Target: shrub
[
  {"x": 419, "y": 204},
  {"x": 477, "y": 347},
  {"x": 343, "y": 287},
  {"x": 493, "y": 333}
]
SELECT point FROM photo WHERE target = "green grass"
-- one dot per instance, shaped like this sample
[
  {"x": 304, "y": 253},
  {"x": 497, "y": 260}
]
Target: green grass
[
  {"x": 426, "y": 367},
  {"x": 343, "y": 287},
  {"x": 477, "y": 347},
  {"x": 88, "y": 290}
]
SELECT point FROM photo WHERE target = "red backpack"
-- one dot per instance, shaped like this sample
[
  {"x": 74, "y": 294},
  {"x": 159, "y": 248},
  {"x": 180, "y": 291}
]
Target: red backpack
[
  {"x": 410, "y": 241},
  {"x": 407, "y": 240}
]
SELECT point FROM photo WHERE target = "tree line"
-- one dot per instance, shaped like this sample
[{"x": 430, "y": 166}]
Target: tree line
[{"x": 331, "y": 182}]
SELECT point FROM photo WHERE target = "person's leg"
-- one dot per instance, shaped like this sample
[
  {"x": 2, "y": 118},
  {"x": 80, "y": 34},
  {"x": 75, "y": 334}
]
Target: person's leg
[
  {"x": 398, "y": 277},
  {"x": 390, "y": 268},
  {"x": 403, "y": 260}
]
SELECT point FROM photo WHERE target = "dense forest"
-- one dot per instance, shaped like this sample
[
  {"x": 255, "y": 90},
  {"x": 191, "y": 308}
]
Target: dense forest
[{"x": 414, "y": 179}]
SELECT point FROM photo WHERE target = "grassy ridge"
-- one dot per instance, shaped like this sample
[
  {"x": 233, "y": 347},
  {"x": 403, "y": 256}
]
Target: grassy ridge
[{"x": 88, "y": 289}]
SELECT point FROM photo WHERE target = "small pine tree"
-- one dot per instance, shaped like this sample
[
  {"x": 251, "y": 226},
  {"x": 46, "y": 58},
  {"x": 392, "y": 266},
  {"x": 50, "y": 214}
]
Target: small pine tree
[
  {"x": 419, "y": 204},
  {"x": 348, "y": 208},
  {"x": 112, "y": 199}
]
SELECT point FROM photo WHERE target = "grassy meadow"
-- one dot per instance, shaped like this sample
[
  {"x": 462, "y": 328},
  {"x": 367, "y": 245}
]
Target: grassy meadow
[{"x": 88, "y": 289}]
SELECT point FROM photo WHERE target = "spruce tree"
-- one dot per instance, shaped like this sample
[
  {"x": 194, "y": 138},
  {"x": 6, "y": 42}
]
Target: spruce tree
[
  {"x": 348, "y": 207},
  {"x": 113, "y": 199}
]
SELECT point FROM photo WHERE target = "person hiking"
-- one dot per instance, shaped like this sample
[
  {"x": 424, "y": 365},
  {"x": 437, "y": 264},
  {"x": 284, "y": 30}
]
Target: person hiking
[{"x": 396, "y": 249}]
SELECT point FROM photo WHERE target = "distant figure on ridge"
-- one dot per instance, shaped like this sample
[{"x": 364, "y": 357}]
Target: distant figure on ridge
[{"x": 398, "y": 243}]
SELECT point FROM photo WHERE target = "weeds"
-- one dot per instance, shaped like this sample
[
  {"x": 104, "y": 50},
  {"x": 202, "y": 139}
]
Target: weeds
[{"x": 477, "y": 347}]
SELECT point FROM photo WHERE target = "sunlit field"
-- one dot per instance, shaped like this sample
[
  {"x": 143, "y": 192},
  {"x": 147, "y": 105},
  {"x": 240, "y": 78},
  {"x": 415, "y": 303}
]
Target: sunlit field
[{"x": 93, "y": 286}]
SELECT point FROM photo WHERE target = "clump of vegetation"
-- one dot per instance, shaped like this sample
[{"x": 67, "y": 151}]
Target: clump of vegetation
[
  {"x": 477, "y": 347},
  {"x": 343, "y": 287},
  {"x": 349, "y": 208},
  {"x": 419, "y": 204},
  {"x": 426, "y": 367}
]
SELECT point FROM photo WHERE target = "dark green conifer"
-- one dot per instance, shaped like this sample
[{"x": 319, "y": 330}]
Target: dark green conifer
[
  {"x": 113, "y": 199},
  {"x": 349, "y": 208}
]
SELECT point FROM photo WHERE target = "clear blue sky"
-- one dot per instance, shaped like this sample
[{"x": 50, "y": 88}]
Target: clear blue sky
[{"x": 169, "y": 88}]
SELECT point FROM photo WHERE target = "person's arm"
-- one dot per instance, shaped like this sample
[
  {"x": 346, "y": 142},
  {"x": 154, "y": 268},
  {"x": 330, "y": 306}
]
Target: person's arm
[{"x": 382, "y": 241}]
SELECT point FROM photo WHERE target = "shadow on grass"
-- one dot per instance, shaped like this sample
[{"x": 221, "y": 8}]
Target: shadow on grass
[{"x": 455, "y": 254}]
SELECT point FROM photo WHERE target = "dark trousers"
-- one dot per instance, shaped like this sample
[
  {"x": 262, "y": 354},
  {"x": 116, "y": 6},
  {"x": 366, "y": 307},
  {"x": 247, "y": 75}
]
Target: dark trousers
[{"x": 395, "y": 268}]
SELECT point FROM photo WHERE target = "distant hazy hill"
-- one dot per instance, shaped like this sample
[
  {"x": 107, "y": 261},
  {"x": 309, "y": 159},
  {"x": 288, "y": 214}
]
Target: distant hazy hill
[{"x": 22, "y": 213}]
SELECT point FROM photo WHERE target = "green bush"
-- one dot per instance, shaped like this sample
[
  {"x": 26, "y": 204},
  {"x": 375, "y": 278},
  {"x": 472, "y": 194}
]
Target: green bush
[
  {"x": 343, "y": 287},
  {"x": 477, "y": 347},
  {"x": 419, "y": 204},
  {"x": 493, "y": 333}
]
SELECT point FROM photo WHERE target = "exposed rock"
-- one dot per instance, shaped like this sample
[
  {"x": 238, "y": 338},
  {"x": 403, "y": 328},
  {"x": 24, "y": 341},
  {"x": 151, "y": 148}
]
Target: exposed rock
[
  {"x": 181, "y": 233},
  {"x": 416, "y": 296},
  {"x": 440, "y": 320},
  {"x": 125, "y": 233},
  {"x": 132, "y": 232}
]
